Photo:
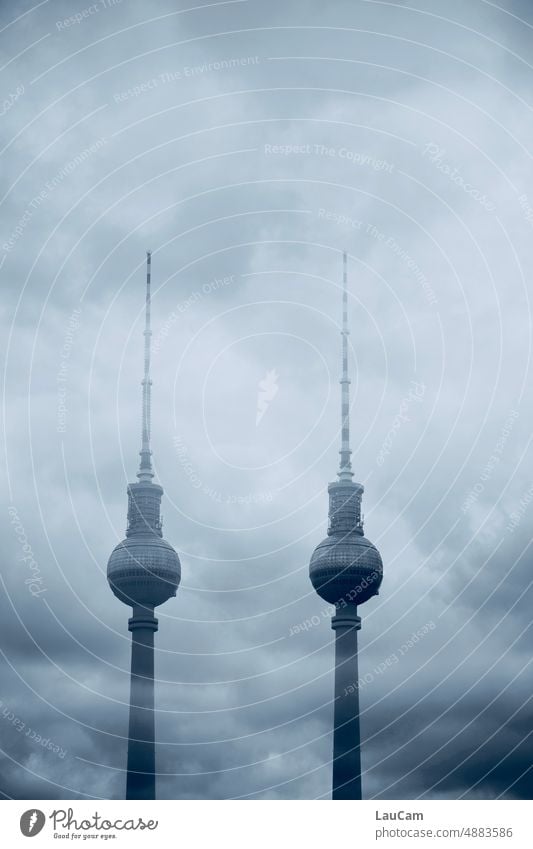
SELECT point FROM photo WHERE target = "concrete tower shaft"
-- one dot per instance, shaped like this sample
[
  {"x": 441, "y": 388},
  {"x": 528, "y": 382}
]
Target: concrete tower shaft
[{"x": 347, "y": 735}]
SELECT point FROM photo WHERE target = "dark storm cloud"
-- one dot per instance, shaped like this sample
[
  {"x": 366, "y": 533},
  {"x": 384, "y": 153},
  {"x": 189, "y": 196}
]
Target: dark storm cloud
[{"x": 246, "y": 145}]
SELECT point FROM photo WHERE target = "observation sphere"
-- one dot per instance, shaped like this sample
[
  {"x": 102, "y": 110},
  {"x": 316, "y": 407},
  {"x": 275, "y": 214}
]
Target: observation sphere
[
  {"x": 346, "y": 567},
  {"x": 144, "y": 570}
]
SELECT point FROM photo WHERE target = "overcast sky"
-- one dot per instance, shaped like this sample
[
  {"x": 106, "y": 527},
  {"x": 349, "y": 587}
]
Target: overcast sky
[{"x": 247, "y": 144}]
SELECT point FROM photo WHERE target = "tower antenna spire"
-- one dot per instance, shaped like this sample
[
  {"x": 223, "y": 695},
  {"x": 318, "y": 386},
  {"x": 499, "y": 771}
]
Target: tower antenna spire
[
  {"x": 345, "y": 469},
  {"x": 145, "y": 473}
]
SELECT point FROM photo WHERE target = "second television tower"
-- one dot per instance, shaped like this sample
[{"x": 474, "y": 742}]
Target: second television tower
[{"x": 346, "y": 570}]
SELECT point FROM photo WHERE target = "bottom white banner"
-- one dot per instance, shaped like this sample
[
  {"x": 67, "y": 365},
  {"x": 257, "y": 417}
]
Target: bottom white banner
[{"x": 262, "y": 824}]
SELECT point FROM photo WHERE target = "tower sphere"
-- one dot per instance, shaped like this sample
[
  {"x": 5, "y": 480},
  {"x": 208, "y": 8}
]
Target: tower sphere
[
  {"x": 346, "y": 566},
  {"x": 144, "y": 571}
]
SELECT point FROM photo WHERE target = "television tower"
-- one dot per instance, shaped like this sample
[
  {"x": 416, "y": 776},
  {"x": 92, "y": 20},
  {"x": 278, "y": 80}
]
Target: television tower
[
  {"x": 143, "y": 571},
  {"x": 346, "y": 570}
]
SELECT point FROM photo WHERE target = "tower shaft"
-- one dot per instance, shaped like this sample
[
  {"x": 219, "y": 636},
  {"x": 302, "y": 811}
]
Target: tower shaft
[
  {"x": 346, "y": 733},
  {"x": 346, "y": 570},
  {"x": 143, "y": 571},
  {"x": 140, "y": 782}
]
